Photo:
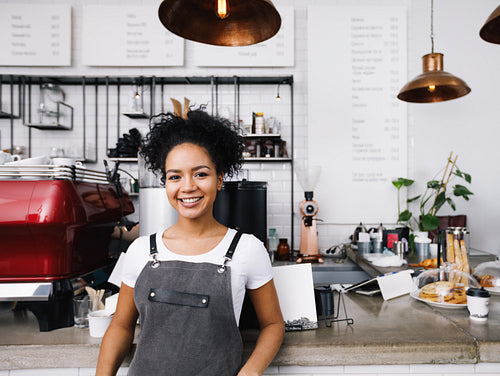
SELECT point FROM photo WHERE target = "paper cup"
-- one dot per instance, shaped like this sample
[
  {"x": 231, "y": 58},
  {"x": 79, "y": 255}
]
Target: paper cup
[
  {"x": 478, "y": 301},
  {"x": 98, "y": 323}
]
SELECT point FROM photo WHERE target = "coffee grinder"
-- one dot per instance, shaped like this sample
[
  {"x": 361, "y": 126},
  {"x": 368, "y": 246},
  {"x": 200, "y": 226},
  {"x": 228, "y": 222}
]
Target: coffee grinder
[{"x": 309, "y": 251}]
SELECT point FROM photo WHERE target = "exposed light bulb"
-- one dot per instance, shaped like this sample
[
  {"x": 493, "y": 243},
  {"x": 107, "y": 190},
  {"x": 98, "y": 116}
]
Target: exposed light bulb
[
  {"x": 222, "y": 9},
  {"x": 432, "y": 88},
  {"x": 137, "y": 95},
  {"x": 278, "y": 98}
]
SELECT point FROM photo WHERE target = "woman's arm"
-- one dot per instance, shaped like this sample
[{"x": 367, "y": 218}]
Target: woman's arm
[
  {"x": 120, "y": 334},
  {"x": 272, "y": 329}
]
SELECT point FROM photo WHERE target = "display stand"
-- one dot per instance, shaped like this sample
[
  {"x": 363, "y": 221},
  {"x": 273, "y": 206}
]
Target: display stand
[{"x": 336, "y": 318}]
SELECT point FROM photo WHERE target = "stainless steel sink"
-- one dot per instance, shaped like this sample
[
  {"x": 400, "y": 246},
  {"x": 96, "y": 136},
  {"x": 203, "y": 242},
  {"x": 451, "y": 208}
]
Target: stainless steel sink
[{"x": 334, "y": 271}]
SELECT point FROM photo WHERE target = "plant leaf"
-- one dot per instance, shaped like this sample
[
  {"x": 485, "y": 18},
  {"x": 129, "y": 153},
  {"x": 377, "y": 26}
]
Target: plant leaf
[
  {"x": 429, "y": 222},
  {"x": 397, "y": 183},
  {"x": 458, "y": 173},
  {"x": 460, "y": 190},
  {"x": 440, "y": 200},
  {"x": 451, "y": 203},
  {"x": 467, "y": 178},
  {"x": 408, "y": 182},
  {"x": 433, "y": 184},
  {"x": 402, "y": 182},
  {"x": 413, "y": 199},
  {"x": 404, "y": 216}
]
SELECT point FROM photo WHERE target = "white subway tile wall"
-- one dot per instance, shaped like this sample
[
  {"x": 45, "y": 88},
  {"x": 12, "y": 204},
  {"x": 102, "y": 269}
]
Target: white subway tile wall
[{"x": 252, "y": 99}]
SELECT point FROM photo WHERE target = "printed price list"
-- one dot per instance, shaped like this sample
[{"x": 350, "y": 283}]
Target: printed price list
[
  {"x": 378, "y": 124},
  {"x": 34, "y": 35}
]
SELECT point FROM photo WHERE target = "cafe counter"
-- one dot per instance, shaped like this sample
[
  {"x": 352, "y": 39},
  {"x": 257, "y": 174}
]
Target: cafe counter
[{"x": 400, "y": 331}]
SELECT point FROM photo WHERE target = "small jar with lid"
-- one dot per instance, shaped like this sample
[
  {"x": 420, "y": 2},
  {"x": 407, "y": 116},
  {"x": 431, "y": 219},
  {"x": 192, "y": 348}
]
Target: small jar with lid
[
  {"x": 283, "y": 250},
  {"x": 260, "y": 125}
]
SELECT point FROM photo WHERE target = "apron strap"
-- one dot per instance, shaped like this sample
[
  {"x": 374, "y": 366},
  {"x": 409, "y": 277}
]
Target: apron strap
[
  {"x": 153, "y": 251},
  {"x": 230, "y": 252}
]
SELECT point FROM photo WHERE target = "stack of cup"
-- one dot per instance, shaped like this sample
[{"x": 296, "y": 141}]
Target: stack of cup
[
  {"x": 364, "y": 245},
  {"x": 422, "y": 247},
  {"x": 376, "y": 240}
]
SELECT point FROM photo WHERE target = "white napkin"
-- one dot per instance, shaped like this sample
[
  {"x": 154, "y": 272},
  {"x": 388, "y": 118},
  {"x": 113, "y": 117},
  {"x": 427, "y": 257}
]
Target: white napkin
[{"x": 380, "y": 259}]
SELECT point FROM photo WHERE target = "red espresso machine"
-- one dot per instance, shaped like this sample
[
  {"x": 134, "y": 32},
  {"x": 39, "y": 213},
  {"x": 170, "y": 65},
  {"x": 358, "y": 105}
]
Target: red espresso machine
[{"x": 55, "y": 228}]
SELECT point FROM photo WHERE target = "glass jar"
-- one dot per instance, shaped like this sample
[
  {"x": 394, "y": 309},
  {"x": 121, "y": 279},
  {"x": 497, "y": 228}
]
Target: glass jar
[
  {"x": 283, "y": 250},
  {"x": 260, "y": 127}
]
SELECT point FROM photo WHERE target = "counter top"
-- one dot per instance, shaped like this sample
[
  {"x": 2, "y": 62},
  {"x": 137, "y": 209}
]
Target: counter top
[{"x": 398, "y": 331}]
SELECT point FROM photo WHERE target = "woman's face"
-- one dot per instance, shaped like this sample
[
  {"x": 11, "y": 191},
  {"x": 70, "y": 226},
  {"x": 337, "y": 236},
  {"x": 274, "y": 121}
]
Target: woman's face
[{"x": 191, "y": 181}]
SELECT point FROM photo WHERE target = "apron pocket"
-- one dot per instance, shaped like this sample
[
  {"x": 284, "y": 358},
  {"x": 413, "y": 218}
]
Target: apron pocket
[{"x": 178, "y": 298}]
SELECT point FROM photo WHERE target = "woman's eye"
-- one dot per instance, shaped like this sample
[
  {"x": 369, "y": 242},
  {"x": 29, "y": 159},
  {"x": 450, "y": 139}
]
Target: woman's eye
[
  {"x": 173, "y": 177},
  {"x": 201, "y": 174}
]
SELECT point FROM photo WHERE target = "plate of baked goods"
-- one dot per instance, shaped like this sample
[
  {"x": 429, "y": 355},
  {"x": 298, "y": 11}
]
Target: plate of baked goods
[
  {"x": 488, "y": 275},
  {"x": 442, "y": 294},
  {"x": 444, "y": 287}
]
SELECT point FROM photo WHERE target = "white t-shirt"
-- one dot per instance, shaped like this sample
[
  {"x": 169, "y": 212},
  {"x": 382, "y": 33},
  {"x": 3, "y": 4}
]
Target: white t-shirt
[{"x": 250, "y": 265}]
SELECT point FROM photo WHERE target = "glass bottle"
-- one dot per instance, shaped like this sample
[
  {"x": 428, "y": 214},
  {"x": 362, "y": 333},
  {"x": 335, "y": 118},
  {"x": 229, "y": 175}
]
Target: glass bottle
[
  {"x": 273, "y": 243},
  {"x": 283, "y": 250}
]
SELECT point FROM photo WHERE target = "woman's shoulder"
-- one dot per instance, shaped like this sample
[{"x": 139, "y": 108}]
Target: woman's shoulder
[{"x": 139, "y": 246}]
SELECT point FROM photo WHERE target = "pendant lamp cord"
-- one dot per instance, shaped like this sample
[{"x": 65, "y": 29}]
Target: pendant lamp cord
[{"x": 432, "y": 25}]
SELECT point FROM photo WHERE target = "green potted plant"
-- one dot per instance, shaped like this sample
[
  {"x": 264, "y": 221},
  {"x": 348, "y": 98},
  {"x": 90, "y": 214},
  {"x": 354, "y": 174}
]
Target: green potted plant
[{"x": 437, "y": 194}]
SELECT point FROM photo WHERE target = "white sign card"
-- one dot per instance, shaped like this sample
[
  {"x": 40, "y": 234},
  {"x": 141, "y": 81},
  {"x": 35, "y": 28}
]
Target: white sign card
[
  {"x": 357, "y": 127},
  {"x": 135, "y": 37},
  {"x": 295, "y": 288},
  {"x": 35, "y": 35},
  {"x": 277, "y": 51}
]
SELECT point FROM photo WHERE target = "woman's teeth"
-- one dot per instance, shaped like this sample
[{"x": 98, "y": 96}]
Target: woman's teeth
[{"x": 189, "y": 200}]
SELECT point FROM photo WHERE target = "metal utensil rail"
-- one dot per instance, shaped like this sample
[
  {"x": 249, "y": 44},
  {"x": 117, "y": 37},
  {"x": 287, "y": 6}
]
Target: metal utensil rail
[{"x": 47, "y": 172}]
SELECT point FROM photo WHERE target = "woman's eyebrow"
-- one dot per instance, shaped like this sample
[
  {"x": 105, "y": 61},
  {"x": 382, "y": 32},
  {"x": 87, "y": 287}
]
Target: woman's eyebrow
[{"x": 176, "y": 171}]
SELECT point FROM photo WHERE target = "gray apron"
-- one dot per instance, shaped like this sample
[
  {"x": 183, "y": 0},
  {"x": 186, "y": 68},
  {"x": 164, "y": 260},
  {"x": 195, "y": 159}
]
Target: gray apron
[{"x": 187, "y": 318}]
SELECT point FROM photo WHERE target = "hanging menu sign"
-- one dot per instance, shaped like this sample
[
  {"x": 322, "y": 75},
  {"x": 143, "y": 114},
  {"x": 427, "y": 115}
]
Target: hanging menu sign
[
  {"x": 354, "y": 114},
  {"x": 277, "y": 51},
  {"x": 35, "y": 35},
  {"x": 135, "y": 37}
]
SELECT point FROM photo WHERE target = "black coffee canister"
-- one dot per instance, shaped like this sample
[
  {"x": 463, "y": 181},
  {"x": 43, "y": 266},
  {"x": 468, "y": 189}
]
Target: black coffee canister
[
  {"x": 243, "y": 205},
  {"x": 323, "y": 296}
]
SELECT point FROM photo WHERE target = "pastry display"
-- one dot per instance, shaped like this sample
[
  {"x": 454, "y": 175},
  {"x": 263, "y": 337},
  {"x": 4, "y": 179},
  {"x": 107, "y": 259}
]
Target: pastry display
[{"x": 488, "y": 275}]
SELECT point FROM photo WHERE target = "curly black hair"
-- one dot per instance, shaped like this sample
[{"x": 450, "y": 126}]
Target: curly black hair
[{"x": 217, "y": 135}]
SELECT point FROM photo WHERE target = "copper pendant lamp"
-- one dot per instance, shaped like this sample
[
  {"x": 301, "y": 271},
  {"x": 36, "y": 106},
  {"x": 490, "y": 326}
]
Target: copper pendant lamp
[
  {"x": 490, "y": 31},
  {"x": 434, "y": 84},
  {"x": 221, "y": 22}
]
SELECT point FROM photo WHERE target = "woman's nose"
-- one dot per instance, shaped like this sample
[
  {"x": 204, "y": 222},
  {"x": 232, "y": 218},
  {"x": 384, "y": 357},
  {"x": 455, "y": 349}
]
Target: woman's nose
[{"x": 188, "y": 184}]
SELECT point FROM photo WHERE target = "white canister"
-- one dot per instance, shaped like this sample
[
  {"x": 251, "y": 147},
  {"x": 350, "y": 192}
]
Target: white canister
[{"x": 260, "y": 125}]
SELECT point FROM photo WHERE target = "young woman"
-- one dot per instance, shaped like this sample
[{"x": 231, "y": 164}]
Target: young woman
[{"x": 187, "y": 283}]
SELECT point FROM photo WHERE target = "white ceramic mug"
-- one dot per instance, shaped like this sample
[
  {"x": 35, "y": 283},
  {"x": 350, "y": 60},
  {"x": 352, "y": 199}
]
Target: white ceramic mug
[
  {"x": 98, "y": 323},
  {"x": 65, "y": 161}
]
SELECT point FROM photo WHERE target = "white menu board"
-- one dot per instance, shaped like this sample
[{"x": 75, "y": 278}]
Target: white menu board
[
  {"x": 35, "y": 35},
  {"x": 357, "y": 126},
  {"x": 135, "y": 37},
  {"x": 277, "y": 51}
]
